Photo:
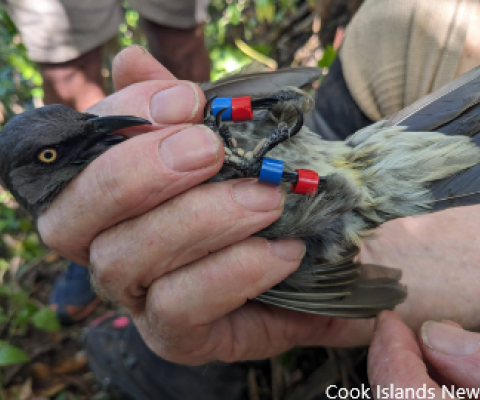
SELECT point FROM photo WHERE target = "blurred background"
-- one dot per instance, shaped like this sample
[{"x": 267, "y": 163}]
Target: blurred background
[{"x": 38, "y": 358}]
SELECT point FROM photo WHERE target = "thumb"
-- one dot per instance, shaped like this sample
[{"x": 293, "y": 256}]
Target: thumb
[
  {"x": 395, "y": 360},
  {"x": 163, "y": 102},
  {"x": 452, "y": 352},
  {"x": 135, "y": 64}
]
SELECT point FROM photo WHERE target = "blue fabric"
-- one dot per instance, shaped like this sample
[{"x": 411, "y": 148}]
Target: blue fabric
[{"x": 72, "y": 288}]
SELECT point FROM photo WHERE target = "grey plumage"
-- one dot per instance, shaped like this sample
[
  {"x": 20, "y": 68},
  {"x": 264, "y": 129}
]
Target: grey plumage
[
  {"x": 453, "y": 110},
  {"x": 78, "y": 138},
  {"x": 261, "y": 83},
  {"x": 382, "y": 172}
]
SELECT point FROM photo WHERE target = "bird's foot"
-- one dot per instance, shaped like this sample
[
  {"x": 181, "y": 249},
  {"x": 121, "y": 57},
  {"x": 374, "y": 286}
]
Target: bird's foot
[
  {"x": 249, "y": 163},
  {"x": 216, "y": 125}
]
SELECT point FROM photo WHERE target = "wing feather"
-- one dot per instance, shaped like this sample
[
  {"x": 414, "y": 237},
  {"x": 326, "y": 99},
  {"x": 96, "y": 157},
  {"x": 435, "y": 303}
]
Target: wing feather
[
  {"x": 261, "y": 83},
  {"x": 376, "y": 288},
  {"x": 454, "y": 109}
]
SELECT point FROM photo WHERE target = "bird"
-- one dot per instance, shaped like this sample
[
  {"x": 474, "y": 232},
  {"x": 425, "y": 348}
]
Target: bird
[{"x": 424, "y": 159}]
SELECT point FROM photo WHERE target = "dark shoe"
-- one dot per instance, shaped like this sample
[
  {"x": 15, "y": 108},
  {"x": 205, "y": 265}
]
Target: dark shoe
[
  {"x": 121, "y": 361},
  {"x": 72, "y": 296}
]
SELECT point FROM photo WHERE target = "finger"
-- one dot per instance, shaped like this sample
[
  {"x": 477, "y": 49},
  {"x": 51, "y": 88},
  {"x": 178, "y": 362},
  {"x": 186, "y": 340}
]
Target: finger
[
  {"x": 163, "y": 102},
  {"x": 229, "y": 338},
  {"x": 189, "y": 227},
  {"x": 188, "y": 305},
  {"x": 395, "y": 359},
  {"x": 222, "y": 282},
  {"x": 453, "y": 353},
  {"x": 135, "y": 64},
  {"x": 128, "y": 180},
  {"x": 452, "y": 323}
]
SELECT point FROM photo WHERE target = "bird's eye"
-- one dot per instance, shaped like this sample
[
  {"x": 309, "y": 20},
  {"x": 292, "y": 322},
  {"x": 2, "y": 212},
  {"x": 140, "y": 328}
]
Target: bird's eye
[{"x": 48, "y": 155}]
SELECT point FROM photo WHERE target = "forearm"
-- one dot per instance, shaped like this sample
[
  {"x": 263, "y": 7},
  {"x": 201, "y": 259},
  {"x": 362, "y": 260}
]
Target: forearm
[{"x": 440, "y": 258}]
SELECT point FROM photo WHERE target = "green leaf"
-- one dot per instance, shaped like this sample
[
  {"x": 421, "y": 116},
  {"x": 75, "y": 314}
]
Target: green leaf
[
  {"x": 12, "y": 355},
  {"x": 289, "y": 358},
  {"x": 328, "y": 57},
  {"x": 4, "y": 265},
  {"x": 27, "y": 311},
  {"x": 18, "y": 298},
  {"x": 6, "y": 289},
  {"x": 46, "y": 319},
  {"x": 37, "y": 92},
  {"x": 132, "y": 18},
  {"x": 61, "y": 396}
]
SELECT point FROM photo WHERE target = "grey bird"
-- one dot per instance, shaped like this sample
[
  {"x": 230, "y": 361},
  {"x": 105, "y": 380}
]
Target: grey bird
[{"x": 424, "y": 159}]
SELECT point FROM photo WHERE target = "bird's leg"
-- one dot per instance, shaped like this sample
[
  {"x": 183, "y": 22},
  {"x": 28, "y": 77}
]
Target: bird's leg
[
  {"x": 215, "y": 124},
  {"x": 208, "y": 118},
  {"x": 279, "y": 135},
  {"x": 224, "y": 132},
  {"x": 250, "y": 164}
]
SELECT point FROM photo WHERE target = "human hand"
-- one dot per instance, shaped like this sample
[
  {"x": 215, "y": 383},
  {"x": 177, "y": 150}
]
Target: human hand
[
  {"x": 178, "y": 255},
  {"x": 149, "y": 239},
  {"x": 439, "y": 255},
  {"x": 443, "y": 355}
]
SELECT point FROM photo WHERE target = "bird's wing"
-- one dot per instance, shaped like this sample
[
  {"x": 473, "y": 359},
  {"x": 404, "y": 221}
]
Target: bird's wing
[
  {"x": 261, "y": 83},
  {"x": 347, "y": 290},
  {"x": 450, "y": 109},
  {"x": 462, "y": 189},
  {"x": 454, "y": 109}
]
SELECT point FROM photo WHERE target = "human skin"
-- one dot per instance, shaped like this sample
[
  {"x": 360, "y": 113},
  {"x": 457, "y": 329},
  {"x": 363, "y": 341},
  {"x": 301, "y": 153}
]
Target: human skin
[
  {"x": 442, "y": 354},
  {"x": 181, "y": 257}
]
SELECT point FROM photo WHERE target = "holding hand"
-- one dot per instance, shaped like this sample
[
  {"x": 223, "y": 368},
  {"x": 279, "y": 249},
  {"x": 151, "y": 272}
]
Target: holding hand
[
  {"x": 180, "y": 256},
  {"x": 444, "y": 355}
]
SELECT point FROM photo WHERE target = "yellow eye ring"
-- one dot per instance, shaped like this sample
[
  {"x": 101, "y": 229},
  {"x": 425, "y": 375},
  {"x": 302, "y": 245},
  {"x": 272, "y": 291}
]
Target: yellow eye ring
[{"x": 48, "y": 156}]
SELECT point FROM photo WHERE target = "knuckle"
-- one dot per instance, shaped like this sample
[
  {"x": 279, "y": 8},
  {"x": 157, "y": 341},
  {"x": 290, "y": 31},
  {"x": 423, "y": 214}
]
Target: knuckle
[
  {"x": 163, "y": 306},
  {"x": 250, "y": 259},
  {"x": 106, "y": 269},
  {"x": 61, "y": 239},
  {"x": 159, "y": 337},
  {"x": 49, "y": 234}
]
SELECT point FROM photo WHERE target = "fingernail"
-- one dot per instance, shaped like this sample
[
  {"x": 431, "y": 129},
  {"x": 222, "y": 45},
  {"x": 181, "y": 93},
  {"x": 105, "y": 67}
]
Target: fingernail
[
  {"x": 174, "y": 105},
  {"x": 257, "y": 197},
  {"x": 288, "y": 249},
  {"x": 190, "y": 149},
  {"x": 449, "y": 340}
]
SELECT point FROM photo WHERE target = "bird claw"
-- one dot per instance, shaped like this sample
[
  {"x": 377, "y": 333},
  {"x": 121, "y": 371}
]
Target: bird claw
[
  {"x": 250, "y": 163},
  {"x": 215, "y": 124}
]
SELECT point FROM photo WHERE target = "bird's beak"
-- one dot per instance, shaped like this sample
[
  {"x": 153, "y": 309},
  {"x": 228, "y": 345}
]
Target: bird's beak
[
  {"x": 114, "y": 123},
  {"x": 102, "y": 137}
]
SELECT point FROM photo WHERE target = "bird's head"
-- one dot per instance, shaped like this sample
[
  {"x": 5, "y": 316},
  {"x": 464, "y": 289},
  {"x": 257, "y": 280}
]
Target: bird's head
[{"x": 43, "y": 149}]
